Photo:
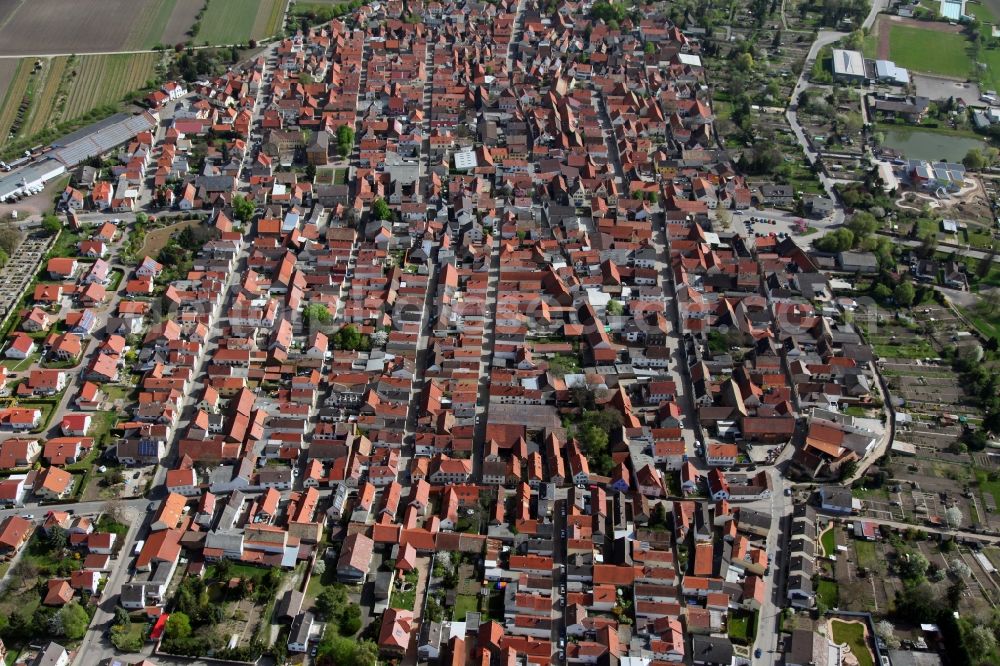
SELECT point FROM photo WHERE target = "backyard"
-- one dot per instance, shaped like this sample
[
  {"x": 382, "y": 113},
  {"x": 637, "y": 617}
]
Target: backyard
[
  {"x": 829, "y": 541},
  {"x": 827, "y": 592},
  {"x": 853, "y": 634},
  {"x": 464, "y": 603},
  {"x": 742, "y": 627}
]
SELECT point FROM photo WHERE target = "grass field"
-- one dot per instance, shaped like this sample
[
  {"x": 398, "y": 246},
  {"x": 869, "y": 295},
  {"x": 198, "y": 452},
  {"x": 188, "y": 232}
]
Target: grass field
[
  {"x": 930, "y": 51},
  {"x": 107, "y": 79},
  {"x": 853, "y": 634},
  {"x": 233, "y": 21}
]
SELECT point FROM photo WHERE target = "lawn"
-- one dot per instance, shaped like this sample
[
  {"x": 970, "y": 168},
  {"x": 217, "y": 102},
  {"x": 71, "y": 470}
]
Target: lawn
[
  {"x": 865, "y": 552},
  {"x": 829, "y": 541},
  {"x": 742, "y": 627},
  {"x": 465, "y": 603},
  {"x": 15, "y": 365},
  {"x": 853, "y": 634},
  {"x": 980, "y": 11},
  {"x": 827, "y": 592},
  {"x": 405, "y": 600},
  {"x": 930, "y": 51}
]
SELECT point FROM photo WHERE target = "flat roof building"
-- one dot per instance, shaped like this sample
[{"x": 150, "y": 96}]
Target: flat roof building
[
  {"x": 848, "y": 65},
  {"x": 886, "y": 71}
]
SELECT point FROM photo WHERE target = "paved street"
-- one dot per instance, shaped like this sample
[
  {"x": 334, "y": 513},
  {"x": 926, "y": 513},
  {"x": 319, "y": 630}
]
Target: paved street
[{"x": 94, "y": 647}]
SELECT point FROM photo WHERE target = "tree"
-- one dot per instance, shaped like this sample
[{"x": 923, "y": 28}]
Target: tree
[
  {"x": 953, "y": 516},
  {"x": 74, "y": 620},
  {"x": 10, "y": 238},
  {"x": 317, "y": 313},
  {"x": 615, "y": 308},
  {"x": 837, "y": 241},
  {"x": 345, "y": 141},
  {"x": 348, "y": 337},
  {"x": 881, "y": 292},
  {"x": 366, "y": 654},
  {"x": 725, "y": 218},
  {"x": 178, "y": 626},
  {"x": 959, "y": 569},
  {"x": 330, "y": 601},
  {"x": 918, "y": 604},
  {"x": 51, "y": 225},
  {"x": 122, "y": 618},
  {"x": 862, "y": 224},
  {"x": 381, "y": 210},
  {"x": 955, "y": 591},
  {"x": 114, "y": 510},
  {"x": 57, "y": 538},
  {"x": 848, "y": 469},
  {"x": 904, "y": 293},
  {"x": 350, "y": 620},
  {"x": 887, "y": 632},
  {"x": 243, "y": 208},
  {"x": 980, "y": 640},
  {"x": 319, "y": 568},
  {"x": 913, "y": 566},
  {"x": 974, "y": 160},
  {"x": 379, "y": 338},
  {"x": 337, "y": 650},
  {"x": 744, "y": 62}
]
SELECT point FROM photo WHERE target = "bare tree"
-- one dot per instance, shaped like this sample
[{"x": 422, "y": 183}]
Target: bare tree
[{"x": 114, "y": 509}]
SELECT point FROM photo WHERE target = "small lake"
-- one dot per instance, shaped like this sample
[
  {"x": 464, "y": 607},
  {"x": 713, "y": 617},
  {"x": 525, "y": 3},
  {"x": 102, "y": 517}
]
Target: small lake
[{"x": 918, "y": 144}]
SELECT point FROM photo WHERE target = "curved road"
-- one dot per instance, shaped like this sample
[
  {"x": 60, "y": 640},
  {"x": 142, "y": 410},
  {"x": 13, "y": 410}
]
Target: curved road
[{"x": 823, "y": 38}]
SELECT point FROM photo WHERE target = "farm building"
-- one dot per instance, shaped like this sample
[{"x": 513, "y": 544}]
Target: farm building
[{"x": 100, "y": 137}]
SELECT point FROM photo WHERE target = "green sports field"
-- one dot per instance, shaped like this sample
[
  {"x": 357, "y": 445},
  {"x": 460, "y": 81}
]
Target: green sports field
[{"x": 930, "y": 51}]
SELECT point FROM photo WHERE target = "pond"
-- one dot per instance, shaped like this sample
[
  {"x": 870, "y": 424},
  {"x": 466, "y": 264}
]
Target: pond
[{"x": 918, "y": 144}]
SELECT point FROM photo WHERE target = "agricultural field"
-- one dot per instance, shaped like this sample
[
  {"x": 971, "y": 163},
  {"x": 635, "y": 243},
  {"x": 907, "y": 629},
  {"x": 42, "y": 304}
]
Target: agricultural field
[
  {"x": 233, "y": 21},
  {"x": 164, "y": 22},
  {"x": 11, "y": 102},
  {"x": 106, "y": 80},
  {"x": 929, "y": 50},
  {"x": 48, "y": 91},
  {"x": 59, "y": 27}
]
